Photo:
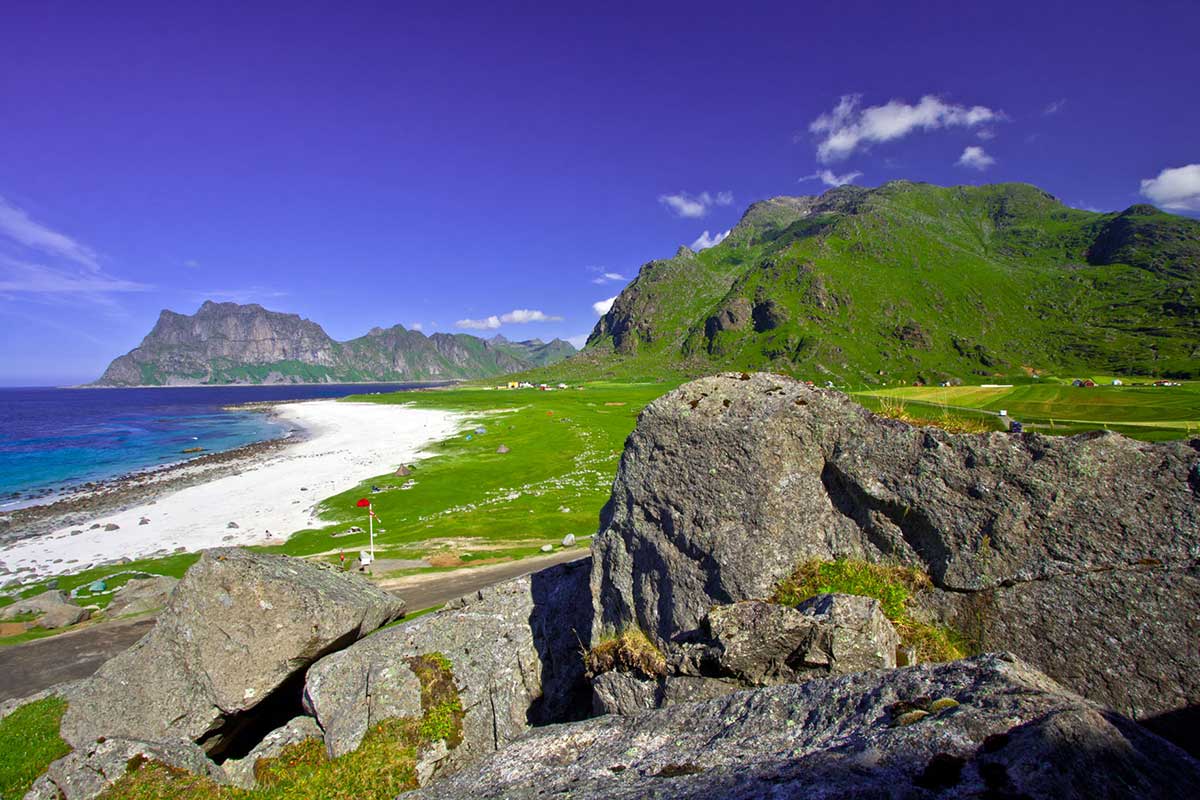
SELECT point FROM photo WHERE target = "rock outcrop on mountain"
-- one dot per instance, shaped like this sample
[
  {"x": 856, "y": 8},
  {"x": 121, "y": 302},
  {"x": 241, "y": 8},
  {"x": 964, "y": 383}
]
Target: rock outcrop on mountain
[
  {"x": 1076, "y": 553},
  {"x": 239, "y": 631},
  {"x": 912, "y": 281},
  {"x": 988, "y": 727},
  {"x": 232, "y": 343}
]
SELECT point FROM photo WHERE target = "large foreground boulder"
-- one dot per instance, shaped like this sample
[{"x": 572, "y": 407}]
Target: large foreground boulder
[
  {"x": 1080, "y": 553},
  {"x": 988, "y": 727},
  {"x": 240, "y": 629},
  {"x": 513, "y": 649}
]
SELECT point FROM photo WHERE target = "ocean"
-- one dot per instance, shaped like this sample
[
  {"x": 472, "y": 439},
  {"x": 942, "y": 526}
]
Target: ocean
[{"x": 52, "y": 440}]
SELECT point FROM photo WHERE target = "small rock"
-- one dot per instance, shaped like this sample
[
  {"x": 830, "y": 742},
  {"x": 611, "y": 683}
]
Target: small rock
[
  {"x": 112, "y": 526},
  {"x": 568, "y": 540},
  {"x": 502, "y": 449},
  {"x": 547, "y": 548},
  {"x": 144, "y": 521},
  {"x": 232, "y": 525}
]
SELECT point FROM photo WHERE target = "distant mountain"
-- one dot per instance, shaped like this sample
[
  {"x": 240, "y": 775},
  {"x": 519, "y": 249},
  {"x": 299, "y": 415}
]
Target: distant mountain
[
  {"x": 535, "y": 351},
  {"x": 916, "y": 282},
  {"x": 231, "y": 343}
]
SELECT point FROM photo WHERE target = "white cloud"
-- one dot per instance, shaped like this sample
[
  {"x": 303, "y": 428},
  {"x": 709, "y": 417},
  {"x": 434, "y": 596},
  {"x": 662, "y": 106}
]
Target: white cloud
[
  {"x": 485, "y": 324},
  {"x": 602, "y": 307},
  {"x": 827, "y": 177},
  {"x": 693, "y": 206},
  {"x": 704, "y": 241},
  {"x": 578, "y": 341},
  {"x": 416, "y": 326},
  {"x": 523, "y": 315},
  {"x": 975, "y": 158},
  {"x": 518, "y": 316},
  {"x": 21, "y": 276},
  {"x": 985, "y": 134},
  {"x": 606, "y": 277},
  {"x": 18, "y": 226},
  {"x": 847, "y": 127},
  {"x": 1055, "y": 107},
  {"x": 1176, "y": 188}
]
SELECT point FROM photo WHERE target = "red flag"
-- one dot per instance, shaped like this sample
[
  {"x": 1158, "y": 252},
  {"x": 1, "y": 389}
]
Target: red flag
[{"x": 364, "y": 503}]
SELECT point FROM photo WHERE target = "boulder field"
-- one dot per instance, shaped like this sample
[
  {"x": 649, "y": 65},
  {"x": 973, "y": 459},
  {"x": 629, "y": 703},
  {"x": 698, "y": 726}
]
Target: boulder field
[{"x": 661, "y": 667}]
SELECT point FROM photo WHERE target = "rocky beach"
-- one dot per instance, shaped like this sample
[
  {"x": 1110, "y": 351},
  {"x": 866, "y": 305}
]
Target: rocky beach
[{"x": 251, "y": 495}]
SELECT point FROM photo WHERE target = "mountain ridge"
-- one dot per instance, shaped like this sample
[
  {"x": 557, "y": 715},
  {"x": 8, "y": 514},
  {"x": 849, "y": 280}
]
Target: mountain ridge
[
  {"x": 915, "y": 282},
  {"x": 231, "y": 343}
]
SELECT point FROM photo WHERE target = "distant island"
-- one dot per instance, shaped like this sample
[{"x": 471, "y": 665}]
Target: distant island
[{"x": 231, "y": 343}]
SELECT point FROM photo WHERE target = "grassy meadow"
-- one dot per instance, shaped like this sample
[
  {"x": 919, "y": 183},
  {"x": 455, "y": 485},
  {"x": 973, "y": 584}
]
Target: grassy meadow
[
  {"x": 469, "y": 504},
  {"x": 1140, "y": 411}
]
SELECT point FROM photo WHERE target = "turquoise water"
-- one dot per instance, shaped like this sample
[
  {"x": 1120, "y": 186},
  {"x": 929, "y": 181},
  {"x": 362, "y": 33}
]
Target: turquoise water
[{"x": 56, "y": 439}]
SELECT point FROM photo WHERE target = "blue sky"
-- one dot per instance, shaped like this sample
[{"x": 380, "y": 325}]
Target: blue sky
[{"x": 504, "y": 168}]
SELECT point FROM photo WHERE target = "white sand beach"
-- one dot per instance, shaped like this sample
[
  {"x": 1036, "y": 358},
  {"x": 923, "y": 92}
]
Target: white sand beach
[{"x": 268, "y": 499}]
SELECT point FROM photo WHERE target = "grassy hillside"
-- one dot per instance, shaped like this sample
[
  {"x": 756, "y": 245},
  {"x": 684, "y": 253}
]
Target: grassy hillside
[{"x": 913, "y": 282}]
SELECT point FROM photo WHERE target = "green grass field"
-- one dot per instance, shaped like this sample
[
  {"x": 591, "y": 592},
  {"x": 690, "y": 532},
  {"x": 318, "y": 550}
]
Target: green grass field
[
  {"x": 469, "y": 504},
  {"x": 1142, "y": 412}
]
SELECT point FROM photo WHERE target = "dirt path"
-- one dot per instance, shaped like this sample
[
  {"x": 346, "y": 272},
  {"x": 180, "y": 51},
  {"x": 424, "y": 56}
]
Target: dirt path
[{"x": 33, "y": 666}]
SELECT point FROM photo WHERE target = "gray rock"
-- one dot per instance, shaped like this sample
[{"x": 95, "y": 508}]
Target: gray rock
[
  {"x": 141, "y": 595},
  {"x": 993, "y": 727},
  {"x": 729, "y": 482},
  {"x": 568, "y": 540},
  {"x": 53, "y": 609},
  {"x": 627, "y": 693},
  {"x": 241, "y": 770},
  {"x": 547, "y": 548},
  {"x": 352, "y": 690},
  {"x": 88, "y": 771},
  {"x": 515, "y": 654},
  {"x": 237, "y": 627},
  {"x": 762, "y": 643}
]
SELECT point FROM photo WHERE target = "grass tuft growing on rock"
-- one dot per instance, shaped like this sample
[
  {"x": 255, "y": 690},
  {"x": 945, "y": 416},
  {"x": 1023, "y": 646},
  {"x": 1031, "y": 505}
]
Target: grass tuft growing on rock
[
  {"x": 29, "y": 741},
  {"x": 383, "y": 766},
  {"x": 629, "y": 651},
  {"x": 951, "y": 423},
  {"x": 891, "y": 585}
]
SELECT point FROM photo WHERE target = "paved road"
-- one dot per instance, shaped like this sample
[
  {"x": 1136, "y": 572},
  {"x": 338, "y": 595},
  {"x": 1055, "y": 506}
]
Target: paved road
[{"x": 33, "y": 666}]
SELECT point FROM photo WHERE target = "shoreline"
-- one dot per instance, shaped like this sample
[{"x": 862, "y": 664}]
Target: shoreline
[{"x": 235, "y": 497}]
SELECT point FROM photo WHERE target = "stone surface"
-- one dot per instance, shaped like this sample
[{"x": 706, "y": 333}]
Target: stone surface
[
  {"x": 763, "y": 643},
  {"x": 513, "y": 648},
  {"x": 729, "y": 481},
  {"x": 241, "y": 770},
  {"x": 141, "y": 595},
  {"x": 1014, "y": 734},
  {"x": 88, "y": 771},
  {"x": 238, "y": 626},
  {"x": 626, "y": 693},
  {"x": 54, "y": 609}
]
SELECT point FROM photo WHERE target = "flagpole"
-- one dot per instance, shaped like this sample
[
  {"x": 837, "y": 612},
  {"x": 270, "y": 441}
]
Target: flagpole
[{"x": 371, "y": 525}]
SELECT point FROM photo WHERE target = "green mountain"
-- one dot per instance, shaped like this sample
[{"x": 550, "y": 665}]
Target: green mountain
[
  {"x": 231, "y": 343},
  {"x": 916, "y": 282}
]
